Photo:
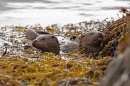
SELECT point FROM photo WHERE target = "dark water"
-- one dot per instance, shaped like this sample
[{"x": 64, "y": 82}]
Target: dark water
[{"x": 46, "y": 12}]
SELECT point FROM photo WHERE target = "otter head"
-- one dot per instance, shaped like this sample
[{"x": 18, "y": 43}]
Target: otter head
[
  {"x": 91, "y": 42},
  {"x": 47, "y": 43}
]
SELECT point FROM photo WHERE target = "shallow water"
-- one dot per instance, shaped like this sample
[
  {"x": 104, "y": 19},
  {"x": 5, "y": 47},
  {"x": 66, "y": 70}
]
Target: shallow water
[{"x": 46, "y": 12}]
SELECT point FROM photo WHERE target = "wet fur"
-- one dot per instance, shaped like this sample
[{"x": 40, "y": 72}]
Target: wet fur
[
  {"x": 31, "y": 34},
  {"x": 70, "y": 47},
  {"x": 47, "y": 43},
  {"x": 90, "y": 42},
  {"x": 43, "y": 41}
]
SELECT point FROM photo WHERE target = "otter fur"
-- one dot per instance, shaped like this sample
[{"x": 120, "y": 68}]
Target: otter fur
[
  {"x": 90, "y": 42},
  {"x": 45, "y": 42}
]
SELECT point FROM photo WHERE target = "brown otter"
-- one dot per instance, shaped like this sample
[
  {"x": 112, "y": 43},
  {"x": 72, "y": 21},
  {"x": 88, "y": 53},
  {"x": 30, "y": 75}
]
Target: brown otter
[
  {"x": 45, "y": 42},
  {"x": 90, "y": 42},
  {"x": 70, "y": 47},
  {"x": 31, "y": 34}
]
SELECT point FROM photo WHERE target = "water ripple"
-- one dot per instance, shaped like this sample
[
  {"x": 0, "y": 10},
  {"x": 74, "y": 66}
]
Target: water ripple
[{"x": 57, "y": 11}]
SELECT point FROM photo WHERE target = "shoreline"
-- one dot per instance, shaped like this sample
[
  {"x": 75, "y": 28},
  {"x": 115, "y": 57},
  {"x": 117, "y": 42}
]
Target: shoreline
[
  {"x": 23, "y": 65},
  {"x": 57, "y": 12}
]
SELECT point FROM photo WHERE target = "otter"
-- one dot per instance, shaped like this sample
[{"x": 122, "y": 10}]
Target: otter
[
  {"x": 45, "y": 42},
  {"x": 31, "y": 34},
  {"x": 90, "y": 42}
]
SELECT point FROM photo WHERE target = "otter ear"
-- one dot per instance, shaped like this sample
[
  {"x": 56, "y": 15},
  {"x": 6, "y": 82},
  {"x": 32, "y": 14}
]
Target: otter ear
[{"x": 52, "y": 37}]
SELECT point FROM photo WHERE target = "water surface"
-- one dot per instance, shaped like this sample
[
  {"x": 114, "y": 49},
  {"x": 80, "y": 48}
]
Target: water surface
[{"x": 46, "y": 12}]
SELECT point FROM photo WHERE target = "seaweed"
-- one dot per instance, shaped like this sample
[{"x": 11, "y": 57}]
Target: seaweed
[{"x": 21, "y": 64}]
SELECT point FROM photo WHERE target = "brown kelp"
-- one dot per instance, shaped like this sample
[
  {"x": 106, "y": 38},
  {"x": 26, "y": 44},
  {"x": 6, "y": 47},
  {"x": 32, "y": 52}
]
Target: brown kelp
[{"x": 23, "y": 65}]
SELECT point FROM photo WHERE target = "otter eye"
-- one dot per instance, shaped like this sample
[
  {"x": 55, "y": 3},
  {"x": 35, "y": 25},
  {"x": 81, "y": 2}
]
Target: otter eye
[
  {"x": 91, "y": 33},
  {"x": 43, "y": 39}
]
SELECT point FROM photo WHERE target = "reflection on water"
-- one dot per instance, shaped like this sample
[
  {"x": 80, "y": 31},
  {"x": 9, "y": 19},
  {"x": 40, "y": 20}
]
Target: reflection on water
[{"x": 24, "y": 12}]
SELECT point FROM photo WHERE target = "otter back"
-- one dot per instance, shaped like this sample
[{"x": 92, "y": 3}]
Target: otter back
[
  {"x": 31, "y": 34},
  {"x": 70, "y": 47}
]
